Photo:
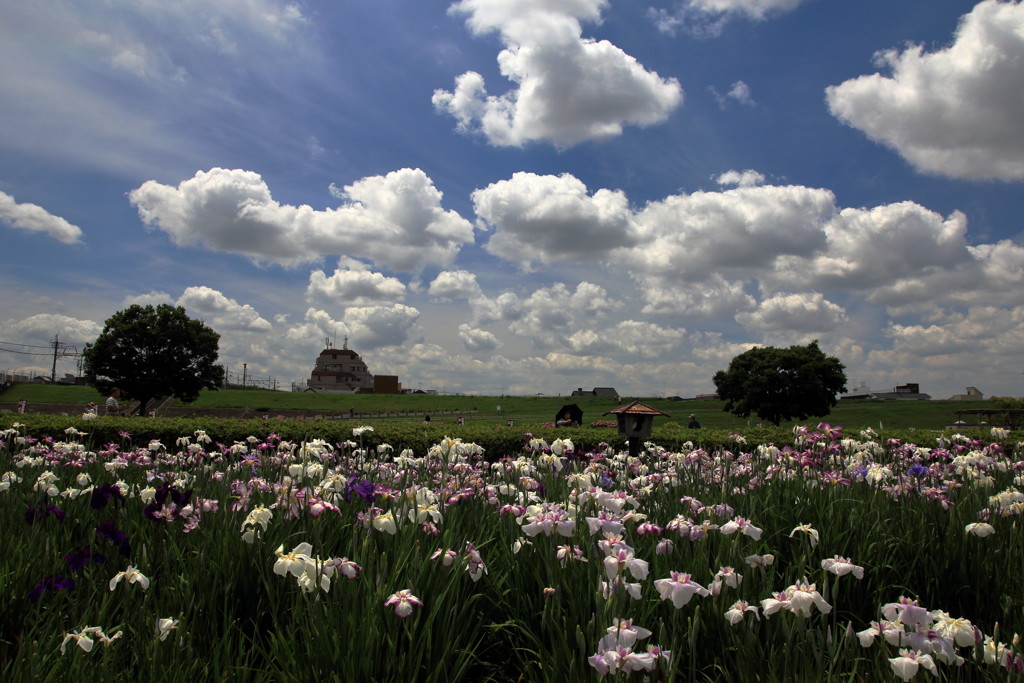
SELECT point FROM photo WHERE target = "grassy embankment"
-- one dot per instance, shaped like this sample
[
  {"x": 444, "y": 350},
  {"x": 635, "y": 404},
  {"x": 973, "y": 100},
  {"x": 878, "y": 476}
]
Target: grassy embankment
[{"x": 477, "y": 409}]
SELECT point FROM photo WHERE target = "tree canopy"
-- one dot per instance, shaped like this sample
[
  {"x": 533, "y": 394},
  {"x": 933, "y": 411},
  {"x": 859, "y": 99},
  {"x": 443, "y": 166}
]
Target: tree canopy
[
  {"x": 781, "y": 384},
  {"x": 148, "y": 352},
  {"x": 1012, "y": 418}
]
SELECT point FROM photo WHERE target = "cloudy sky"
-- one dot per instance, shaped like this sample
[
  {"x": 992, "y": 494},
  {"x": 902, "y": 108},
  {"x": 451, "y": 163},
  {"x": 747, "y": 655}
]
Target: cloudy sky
[{"x": 523, "y": 196}]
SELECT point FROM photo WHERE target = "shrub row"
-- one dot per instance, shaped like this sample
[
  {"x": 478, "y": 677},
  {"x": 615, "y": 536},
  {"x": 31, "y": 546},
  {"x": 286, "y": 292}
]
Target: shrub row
[{"x": 495, "y": 439}]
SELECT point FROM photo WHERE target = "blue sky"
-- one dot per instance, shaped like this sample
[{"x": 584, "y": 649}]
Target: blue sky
[{"x": 523, "y": 196}]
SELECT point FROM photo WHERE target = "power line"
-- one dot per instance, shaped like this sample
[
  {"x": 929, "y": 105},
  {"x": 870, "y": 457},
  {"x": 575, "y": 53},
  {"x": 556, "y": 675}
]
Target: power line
[
  {"x": 26, "y": 353},
  {"x": 31, "y": 346},
  {"x": 64, "y": 350}
]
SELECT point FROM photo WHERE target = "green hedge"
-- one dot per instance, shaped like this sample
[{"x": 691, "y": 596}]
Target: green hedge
[{"x": 497, "y": 441}]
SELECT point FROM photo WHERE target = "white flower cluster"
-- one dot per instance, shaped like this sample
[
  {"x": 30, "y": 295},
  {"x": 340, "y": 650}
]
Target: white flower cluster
[
  {"x": 616, "y": 650},
  {"x": 258, "y": 516},
  {"x": 454, "y": 450},
  {"x": 312, "y": 572},
  {"x": 925, "y": 637},
  {"x": 86, "y": 638}
]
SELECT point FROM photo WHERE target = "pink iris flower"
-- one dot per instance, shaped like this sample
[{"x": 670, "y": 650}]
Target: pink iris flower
[
  {"x": 679, "y": 588},
  {"x": 403, "y": 602}
]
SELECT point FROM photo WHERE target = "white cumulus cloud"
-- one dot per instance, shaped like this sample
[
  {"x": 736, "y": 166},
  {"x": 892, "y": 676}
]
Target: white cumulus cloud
[
  {"x": 592, "y": 299},
  {"x": 507, "y": 307},
  {"x": 631, "y": 337},
  {"x": 395, "y": 220},
  {"x": 549, "y": 314},
  {"x": 221, "y": 313},
  {"x": 450, "y": 285},
  {"x": 687, "y": 238},
  {"x": 805, "y": 312},
  {"x": 539, "y": 219},
  {"x": 353, "y": 284},
  {"x": 955, "y": 111},
  {"x": 373, "y": 327},
  {"x": 748, "y": 178},
  {"x": 706, "y": 253},
  {"x": 42, "y": 327},
  {"x": 1003, "y": 265},
  {"x": 711, "y": 297},
  {"x": 35, "y": 218},
  {"x": 316, "y": 328},
  {"x": 890, "y": 250},
  {"x": 569, "y": 89},
  {"x": 477, "y": 340},
  {"x": 954, "y": 343}
]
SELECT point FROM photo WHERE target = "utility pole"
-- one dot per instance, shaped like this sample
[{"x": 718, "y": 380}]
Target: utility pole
[
  {"x": 63, "y": 351},
  {"x": 56, "y": 346}
]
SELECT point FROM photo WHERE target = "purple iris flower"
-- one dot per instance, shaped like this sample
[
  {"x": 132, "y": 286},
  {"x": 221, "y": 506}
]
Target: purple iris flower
[
  {"x": 109, "y": 531},
  {"x": 77, "y": 559},
  {"x": 917, "y": 470},
  {"x": 363, "y": 489},
  {"x": 159, "y": 510},
  {"x": 52, "y": 583},
  {"x": 179, "y": 498},
  {"x": 33, "y": 515},
  {"x": 102, "y": 494}
]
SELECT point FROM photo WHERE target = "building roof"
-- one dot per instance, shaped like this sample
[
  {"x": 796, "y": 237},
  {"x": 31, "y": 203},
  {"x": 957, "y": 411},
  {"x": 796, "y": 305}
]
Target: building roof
[
  {"x": 636, "y": 408},
  {"x": 603, "y": 392},
  {"x": 343, "y": 352}
]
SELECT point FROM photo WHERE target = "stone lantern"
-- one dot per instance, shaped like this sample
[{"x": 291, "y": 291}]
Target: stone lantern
[{"x": 635, "y": 421}]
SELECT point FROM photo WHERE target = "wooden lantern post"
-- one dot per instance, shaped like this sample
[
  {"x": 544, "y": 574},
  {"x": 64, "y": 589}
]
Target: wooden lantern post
[{"x": 635, "y": 421}]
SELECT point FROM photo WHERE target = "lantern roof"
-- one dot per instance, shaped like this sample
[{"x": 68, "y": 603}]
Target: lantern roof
[{"x": 636, "y": 408}]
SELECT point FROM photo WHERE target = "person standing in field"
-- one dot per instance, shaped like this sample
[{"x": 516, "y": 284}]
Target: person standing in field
[{"x": 112, "y": 406}]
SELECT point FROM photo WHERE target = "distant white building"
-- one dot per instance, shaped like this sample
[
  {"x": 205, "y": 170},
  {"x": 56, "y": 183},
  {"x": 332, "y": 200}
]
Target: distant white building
[
  {"x": 341, "y": 371},
  {"x": 972, "y": 395}
]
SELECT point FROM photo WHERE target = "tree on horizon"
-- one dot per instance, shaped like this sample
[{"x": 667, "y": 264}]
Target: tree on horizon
[
  {"x": 781, "y": 384},
  {"x": 148, "y": 352}
]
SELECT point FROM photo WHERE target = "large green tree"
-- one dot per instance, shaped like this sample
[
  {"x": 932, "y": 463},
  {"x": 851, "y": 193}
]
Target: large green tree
[
  {"x": 781, "y": 384},
  {"x": 1012, "y": 418},
  {"x": 148, "y": 352}
]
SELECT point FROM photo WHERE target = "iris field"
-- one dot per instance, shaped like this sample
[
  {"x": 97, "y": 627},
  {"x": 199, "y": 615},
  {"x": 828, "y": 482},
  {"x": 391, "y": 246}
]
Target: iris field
[{"x": 830, "y": 556}]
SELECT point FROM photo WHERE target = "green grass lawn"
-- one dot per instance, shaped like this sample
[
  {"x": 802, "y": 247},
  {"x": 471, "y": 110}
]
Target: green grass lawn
[
  {"x": 40, "y": 393},
  {"x": 851, "y": 414}
]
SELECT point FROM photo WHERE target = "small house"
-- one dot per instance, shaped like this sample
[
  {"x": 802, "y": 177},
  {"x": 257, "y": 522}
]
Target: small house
[{"x": 601, "y": 392}]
